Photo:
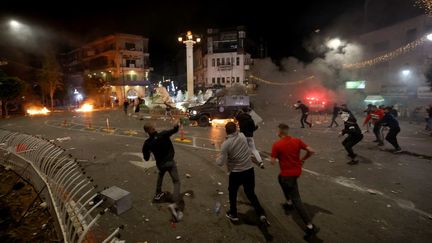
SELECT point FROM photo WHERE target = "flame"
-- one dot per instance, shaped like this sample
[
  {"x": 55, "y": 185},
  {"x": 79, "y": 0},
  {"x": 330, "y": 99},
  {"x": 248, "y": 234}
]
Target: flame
[
  {"x": 85, "y": 108},
  {"x": 221, "y": 122},
  {"x": 37, "y": 111}
]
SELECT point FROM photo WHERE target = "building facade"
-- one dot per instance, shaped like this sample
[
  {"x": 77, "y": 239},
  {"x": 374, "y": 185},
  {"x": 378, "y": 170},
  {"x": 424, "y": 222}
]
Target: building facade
[
  {"x": 400, "y": 78},
  {"x": 120, "y": 61},
  {"x": 221, "y": 59}
]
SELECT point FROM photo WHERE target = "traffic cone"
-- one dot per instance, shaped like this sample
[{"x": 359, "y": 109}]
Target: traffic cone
[{"x": 182, "y": 133}]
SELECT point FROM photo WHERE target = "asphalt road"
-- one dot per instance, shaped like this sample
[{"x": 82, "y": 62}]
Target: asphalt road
[{"x": 385, "y": 198}]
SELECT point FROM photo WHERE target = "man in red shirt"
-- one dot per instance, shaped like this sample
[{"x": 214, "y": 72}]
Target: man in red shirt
[
  {"x": 375, "y": 115},
  {"x": 287, "y": 151}
]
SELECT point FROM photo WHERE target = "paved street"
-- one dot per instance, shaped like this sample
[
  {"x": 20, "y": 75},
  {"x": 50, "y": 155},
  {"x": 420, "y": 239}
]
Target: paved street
[{"x": 385, "y": 198}]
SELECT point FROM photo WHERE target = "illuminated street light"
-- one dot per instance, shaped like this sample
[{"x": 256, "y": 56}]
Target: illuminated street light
[
  {"x": 406, "y": 72},
  {"x": 429, "y": 37},
  {"x": 189, "y": 42},
  {"x": 15, "y": 24},
  {"x": 334, "y": 43}
]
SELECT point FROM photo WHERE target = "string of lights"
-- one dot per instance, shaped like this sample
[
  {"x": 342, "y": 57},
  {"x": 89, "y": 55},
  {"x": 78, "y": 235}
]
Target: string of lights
[
  {"x": 281, "y": 84},
  {"x": 426, "y": 5},
  {"x": 388, "y": 56}
]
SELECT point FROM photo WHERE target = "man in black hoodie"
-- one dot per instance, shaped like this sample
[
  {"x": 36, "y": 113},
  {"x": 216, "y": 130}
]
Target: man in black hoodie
[
  {"x": 390, "y": 121},
  {"x": 305, "y": 113},
  {"x": 354, "y": 135},
  {"x": 247, "y": 127}
]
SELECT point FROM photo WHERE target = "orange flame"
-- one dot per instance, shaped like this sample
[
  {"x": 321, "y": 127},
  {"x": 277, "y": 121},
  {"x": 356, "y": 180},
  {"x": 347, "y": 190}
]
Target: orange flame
[
  {"x": 33, "y": 111},
  {"x": 85, "y": 108}
]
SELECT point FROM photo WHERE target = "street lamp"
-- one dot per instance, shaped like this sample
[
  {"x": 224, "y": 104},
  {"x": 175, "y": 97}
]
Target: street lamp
[
  {"x": 189, "y": 41},
  {"x": 14, "y": 24},
  {"x": 429, "y": 37},
  {"x": 406, "y": 72},
  {"x": 334, "y": 43}
]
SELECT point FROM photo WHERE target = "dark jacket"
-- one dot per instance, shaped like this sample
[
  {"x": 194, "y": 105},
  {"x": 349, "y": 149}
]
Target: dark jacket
[
  {"x": 247, "y": 124},
  {"x": 388, "y": 121},
  {"x": 159, "y": 143},
  {"x": 303, "y": 108},
  {"x": 336, "y": 110},
  {"x": 351, "y": 128}
]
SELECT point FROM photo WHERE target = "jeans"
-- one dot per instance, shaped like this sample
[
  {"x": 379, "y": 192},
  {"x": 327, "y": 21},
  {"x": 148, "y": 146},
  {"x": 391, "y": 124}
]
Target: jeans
[
  {"x": 290, "y": 190},
  {"x": 251, "y": 144},
  {"x": 247, "y": 180},
  {"x": 304, "y": 119},
  {"x": 172, "y": 170},
  {"x": 378, "y": 133},
  {"x": 349, "y": 143},
  {"x": 391, "y": 137}
]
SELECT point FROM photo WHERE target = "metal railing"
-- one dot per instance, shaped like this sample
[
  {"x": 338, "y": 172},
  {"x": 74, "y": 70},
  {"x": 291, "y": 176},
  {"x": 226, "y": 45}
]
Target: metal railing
[{"x": 61, "y": 182}]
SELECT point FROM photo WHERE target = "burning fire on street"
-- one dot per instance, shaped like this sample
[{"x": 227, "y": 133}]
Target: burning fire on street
[
  {"x": 85, "y": 108},
  {"x": 34, "y": 111},
  {"x": 220, "y": 122}
]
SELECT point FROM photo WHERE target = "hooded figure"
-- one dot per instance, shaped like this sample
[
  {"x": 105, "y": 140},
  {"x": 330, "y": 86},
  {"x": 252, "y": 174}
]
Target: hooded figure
[{"x": 354, "y": 135}]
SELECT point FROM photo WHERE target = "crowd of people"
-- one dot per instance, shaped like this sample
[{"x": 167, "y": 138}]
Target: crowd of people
[{"x": 238, "y": 154}]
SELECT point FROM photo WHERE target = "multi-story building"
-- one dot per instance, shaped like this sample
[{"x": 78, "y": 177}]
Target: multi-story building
[
  {"x": 399, "y": 76},
  {"x": 221, "y": 58},
  {"x": 121, "y": 61}
]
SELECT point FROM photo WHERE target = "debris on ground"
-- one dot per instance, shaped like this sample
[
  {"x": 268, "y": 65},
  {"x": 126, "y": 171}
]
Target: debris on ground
[
  {"x": 63, "y": 139},
  {"x": 188, "y": 175}
]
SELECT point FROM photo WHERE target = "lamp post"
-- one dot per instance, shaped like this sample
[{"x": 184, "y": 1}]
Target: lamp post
[{"x": 189, "y": 41}]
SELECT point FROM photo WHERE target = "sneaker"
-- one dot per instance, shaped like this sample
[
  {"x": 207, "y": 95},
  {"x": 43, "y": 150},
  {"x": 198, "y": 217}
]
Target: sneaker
[
  {"x": 264, "y": 220},
  {"x": 231, "y": 217},
  {"x": 398, "y": 150},
  {"x": 311, "y": 232},
  {"x": 159, "y": 196},
  {"x": 261, "y": 165},
  {"x": 353, "y": 162}
]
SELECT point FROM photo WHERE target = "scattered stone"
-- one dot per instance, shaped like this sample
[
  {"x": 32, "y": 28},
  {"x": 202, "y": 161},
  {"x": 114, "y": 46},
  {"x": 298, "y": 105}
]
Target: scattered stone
[
  {"x": 178, "y": 237},
  {"x": 352, "y": 178},
  {"x": 63, "y": 139},
  {"x": 187, "y": 194},
  {"x": 188, "y": 175},
  {"x": 395, "y": 192},
  {"x": 146, "y": 220},
  {"x": 220, "y": 193},
  {"x": 44, "y": 226},
  {"x": 331, "y": 160},
  {"x": 219, "y": 184},
  {"x": 91, "y": 203},
  {"x": 371, "y": 191},
  {"x": 388, "y": 205}
]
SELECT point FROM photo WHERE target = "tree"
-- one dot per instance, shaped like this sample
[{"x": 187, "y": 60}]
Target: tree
[
  {"x": 50, "y": 78},
  {"x": 94, "y": 87},
  {"x": 10, "y": 88}
]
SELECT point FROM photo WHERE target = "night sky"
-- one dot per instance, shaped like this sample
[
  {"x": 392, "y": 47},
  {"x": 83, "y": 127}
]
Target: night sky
[{"x": 284, "y": 27}]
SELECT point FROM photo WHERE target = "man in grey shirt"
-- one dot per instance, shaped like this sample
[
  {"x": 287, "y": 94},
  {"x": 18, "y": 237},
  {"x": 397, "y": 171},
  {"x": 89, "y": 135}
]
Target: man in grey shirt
[{"x": 235, "y": 153}]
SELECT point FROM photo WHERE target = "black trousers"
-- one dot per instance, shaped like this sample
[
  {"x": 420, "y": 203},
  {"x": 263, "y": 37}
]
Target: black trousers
[
  {"x": 291, "y": 192},
  {"x": 391, "y": 137},
  {"x": 247, "y": 180},
  {"x": 334, "y": 121},
  {"x": 304, "y": 119},
  {"x": 349, "y": 143}
]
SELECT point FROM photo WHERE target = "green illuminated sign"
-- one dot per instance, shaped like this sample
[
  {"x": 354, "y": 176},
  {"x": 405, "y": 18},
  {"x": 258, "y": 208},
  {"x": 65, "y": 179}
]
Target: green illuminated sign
[{"x": 360, "y": 84}]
